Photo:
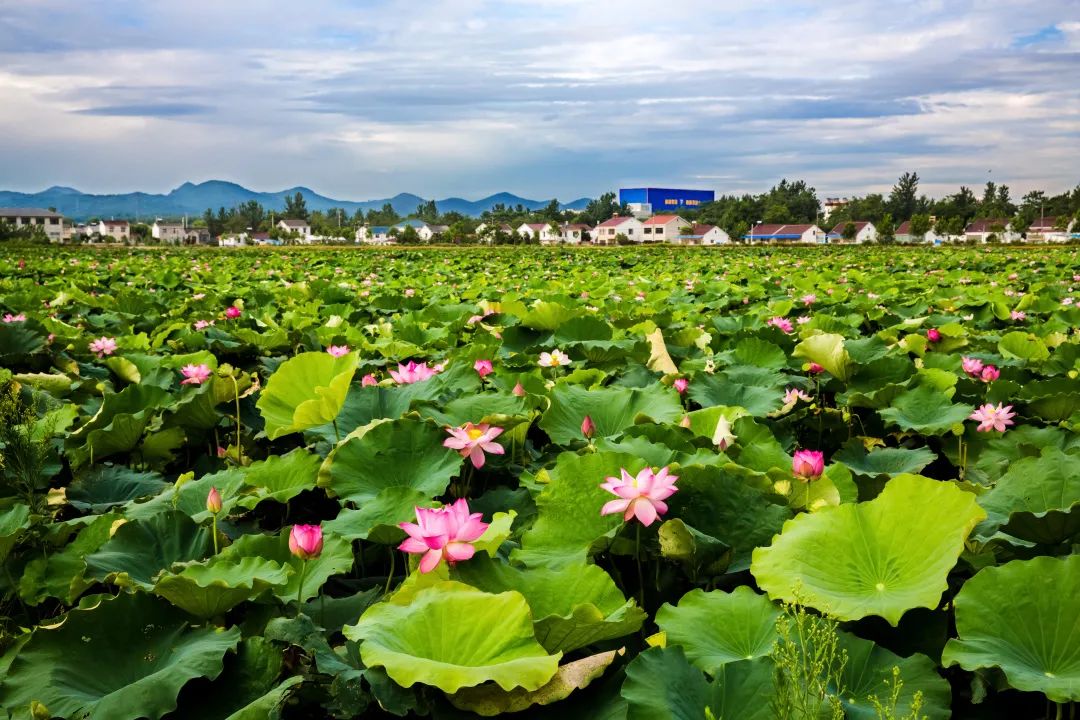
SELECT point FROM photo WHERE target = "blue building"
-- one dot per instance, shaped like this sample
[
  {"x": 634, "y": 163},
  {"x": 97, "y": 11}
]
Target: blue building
[{"x": 661, "y": 200}]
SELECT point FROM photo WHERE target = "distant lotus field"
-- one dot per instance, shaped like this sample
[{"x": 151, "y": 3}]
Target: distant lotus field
[{"x": 640, "y": 483}]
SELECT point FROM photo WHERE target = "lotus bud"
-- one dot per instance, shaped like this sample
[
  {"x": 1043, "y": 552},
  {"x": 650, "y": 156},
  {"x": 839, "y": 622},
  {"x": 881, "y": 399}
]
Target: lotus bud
[
  {"x": 232, "y": 312},
  {"x": 815, "y": 369},
  {"x": 368, "y": 381},
  {"x": 519, "y": 390},
  {"x": 685, "y": 422},
  {"x": 306, "y": 541},
  {"x": 723, "y": 438},
  {"x": 989, "y": 374},
  {"x": 587, "y": 427},
  {"x": 213, "y": 501},
  {"x": 808, "y": 465},
  {"x": 933, "y": 335},
  {"x": 680, "y": 385},
  {"x": 483, "y": 368}
]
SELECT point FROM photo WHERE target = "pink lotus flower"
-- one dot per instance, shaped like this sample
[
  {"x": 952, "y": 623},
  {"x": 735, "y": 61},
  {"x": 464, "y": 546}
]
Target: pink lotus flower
[
  {"x": 338, "y": 350},
  {"x": 103, "y": 346},
  {"x": 1018, "y": 315},
  {"x": 518, "y": 390},
  {"x": 782, "y": 323},
  {"x": 642, "y": 496},
  {"x": 9, "y": 318},
  {"x": 306, "y": 541},
  {"x": 972, "y": 366},
  {"x": 933, "y": 335},
  {"x": 815, "y": 369},
  {"x": 412, "y": 372},
  {"x": 232, "y": 312},
  {"x": 472, "y": 441},
  {"x": 680, "y": 385},
  {"x": 809, "y": 299},
  {"x": 587, "y": 427},
  {"x": 483, "y": 368},
  {"x": 198, "y": 296},
  {"x": 195, "y": 374},
  {"x": 808, "y": 465},
  {"x": 989, "y": 374},
  {"x": 555, "y": 358},
  {"x": 443, "y": 533},
  {"x": 993, "y": 418},
  {"x": 794, "y": 395},
  {"x": 368, "y": 381},
  {"x": 213, "y": 501},
  {"x": 203, "y": 324}
]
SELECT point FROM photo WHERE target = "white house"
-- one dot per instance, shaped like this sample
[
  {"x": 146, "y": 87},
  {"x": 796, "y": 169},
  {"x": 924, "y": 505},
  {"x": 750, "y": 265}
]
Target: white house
[
  {"x": 705, "y": 235},
  {"x": 295, "y": 225},
  {"x": 50, "y": 222},
  {"x": 903, "y": 235},
  {"x": 374, "y": 235},
  {"x": 982, "y": 231},
  {"x": 831, "y": 205},
  {"x": 785, "y": 233},
  {"x": 119, "y": 230},
  {"x": 486, "y": 233},
  {"x": 1047, "y": 230},
  {"x": 865, "y": 232},
  {"x": 425, "y": 231},
  {"x": 533, "y": 231},
  {"x": 606, "y": 232},
  {"x": 574, "y": 233},
  {"x": 167, "y": 232},
  {"x": 663, "y": 228}
]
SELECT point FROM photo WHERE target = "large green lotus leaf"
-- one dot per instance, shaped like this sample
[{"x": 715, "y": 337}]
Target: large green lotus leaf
[
  {"x": 400, "y": 453},
  {"x": 336, "y": 558},
  {"x": 702, "y": 554},
  {"x": 543, "y": 315},
  {"x": 716, "y": 628},
  {"x": 490, "y": 700},
  {"x": 1021, "y": 617},
  {"x": 761, "y": 353},
  {"x": 17, "y": 340},
  {"x": 612, "y": 409},
  {"x": 925, "y": 409},
  {"x": 868, "y": 668},
  {"x": 569, "y": 520},
  {"x": 366, "y": 404},
  {"x": 13, "y": 521},
  {"x": 882, "y": 557},
  {"x": 475, "y": 408},
  {"x": 1023, "y": 346},
  {"x": 572, "y": 606},
  {"x": 661, "y": 684},
  {"x": 377, "y": 520},
  {"x": 1034, "y": 499},
  {"x": 117, "y": 426},
  {"x": 883, "y": 461},
  {"x": 306, "y": 391},
  {"x": 123, "y": 659},
  {"x": 140, "y": 549},
  {"x": 210, "y": 590},
  {"x": 719, "y": 390},
  {"x": 105, "y": 487},
  {"x": 453, "y": 636},
  {"x": 190, "y": 497},
  {"x": 757, "y": 448},
  {"x": 61, "y": 574},
  {"x": 828, "y": 351},
  {"x": 280, "y": 477},
  {"x": 720, "y": 504}
]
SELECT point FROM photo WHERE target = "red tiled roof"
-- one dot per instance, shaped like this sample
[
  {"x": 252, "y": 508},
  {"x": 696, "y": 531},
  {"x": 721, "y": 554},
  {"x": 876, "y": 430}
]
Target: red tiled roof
[
  {"x": 701, "y": 229},
  {"x": 987, "y": 226},
  {"x": 614, "y": 222},
  {"x": 905, "y": 228},
  {"x": 294, "y": 222},
  {"x": 1045, "y": 224},
  {"x": 117, "y": 223},
  {"x": 662, "y": 219},
  {"x": 578, "y": 226},
  {"x": 774, "y": 229},
  {"x": 859, "y": 225}
]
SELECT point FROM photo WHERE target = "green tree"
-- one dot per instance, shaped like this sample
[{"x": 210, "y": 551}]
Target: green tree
[
  {"x": 409, "y": 236},
  {"x": 920, "y": 225},
  {"x": 427, "y": 211},
  {"x": 903, "y": 198},
  {"x": 296, "y": 206},
  {"x": 850, "y": 232},
  {"x": 251, "y": 214},
  {"x": 600, "y": 209},
  {"x": 886, "y": 230}
]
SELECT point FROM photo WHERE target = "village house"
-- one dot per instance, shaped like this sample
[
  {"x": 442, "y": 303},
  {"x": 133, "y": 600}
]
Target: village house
[
  {"x": 607, "y": 231},
  {"x": 705, "y": 235},
  {"x": 170, "y": 233},
  {"x": 425, "y": 231},
  {"x": 50, "y": 222},
  {"x": 903, "y": 235},
  {"x": 865, "y": 232},
  {"x": 532, "y": 231},
  {"x": 575, "y": 233},
  {"x": 486, "y": 232},
  {"x": 663, "y": 228},
  {"x": 374, "y": 235},
  {"x": 989, "y": 230},
  {"x": 295, "y": 225},
  {"x": 786, "y": 233},
  {"x": 1049, "y": 230},
  {"x": 119, "y": 230}
]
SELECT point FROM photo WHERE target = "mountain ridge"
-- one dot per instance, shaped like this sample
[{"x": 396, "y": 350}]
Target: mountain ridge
[{"x": 192, "y": 199}]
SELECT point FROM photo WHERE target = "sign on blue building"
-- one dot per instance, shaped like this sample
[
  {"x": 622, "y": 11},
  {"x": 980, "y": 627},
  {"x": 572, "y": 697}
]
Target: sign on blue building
[{"x": 665, "y": 199}]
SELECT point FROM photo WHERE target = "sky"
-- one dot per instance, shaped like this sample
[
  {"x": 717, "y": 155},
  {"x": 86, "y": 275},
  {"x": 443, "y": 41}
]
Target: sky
[{"x": 544, "y": 98}]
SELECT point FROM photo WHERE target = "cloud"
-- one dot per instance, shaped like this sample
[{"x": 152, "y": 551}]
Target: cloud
[{"x": 541, "y": 97}]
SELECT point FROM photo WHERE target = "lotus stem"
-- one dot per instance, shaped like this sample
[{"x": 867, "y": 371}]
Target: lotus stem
[
  {"x": 239, "y": 448},
  {"x": 300, "y": 588},
  {"x": 337, "y": 435},
  {"x": 390, "y": 575},
  {"x": 637, "y": 558},
  {"x": 214, "y": 516}
]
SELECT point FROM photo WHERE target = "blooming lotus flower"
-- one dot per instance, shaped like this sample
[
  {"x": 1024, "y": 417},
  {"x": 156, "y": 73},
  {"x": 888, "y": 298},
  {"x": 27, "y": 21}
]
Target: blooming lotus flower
[
  {"x": 213, "y": 501},
  {"x": 555, "y": 358},
  {"x": 338, "y": 350},
  {"x": 103, "y": 346},
  {"x": 483, "y": 368},
  {"x": 794, "y": 395},
  {"x": 993, "y": 418},
  {"x": 809, "y": 299},
  {"x": 9, "y": 318},
  {"x": 203, "y": 324},
  {"x": 587, "y": 427},
  {"x": 782, "y": 323},
  {"x": 680, "y": 385},
  {"x": 808, "y": 465},
  {"x": 933, "y": 335},
  {"x": 972, "y": 366},
  {"x": 1018, "y": 315},
  {"x": 723, "y": 438},
  {"x": 989, "y": 374},
  {"x": 642, "y": 496},
  {"x": 368, "y": 380},
  {"x": 306, "y": 541},
  {"x": 412, "y": 372},
  {"x": 195, "y": 374},
  {"x": 232, "y": 312},
  {"x": 472, "y": 441},
  {"x": 443, "y": 533}
]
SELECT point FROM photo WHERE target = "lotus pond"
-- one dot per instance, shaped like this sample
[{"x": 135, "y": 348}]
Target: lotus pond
[{"x": 629, "y": 483}]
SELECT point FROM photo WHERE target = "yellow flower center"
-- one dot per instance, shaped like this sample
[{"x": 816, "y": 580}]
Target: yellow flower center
[{"x": 474, "y": 433}]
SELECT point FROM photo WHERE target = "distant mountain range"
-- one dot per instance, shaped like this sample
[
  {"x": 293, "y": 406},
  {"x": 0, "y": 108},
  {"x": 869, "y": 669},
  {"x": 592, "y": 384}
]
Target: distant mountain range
[{"x": 192, "y": 200}]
